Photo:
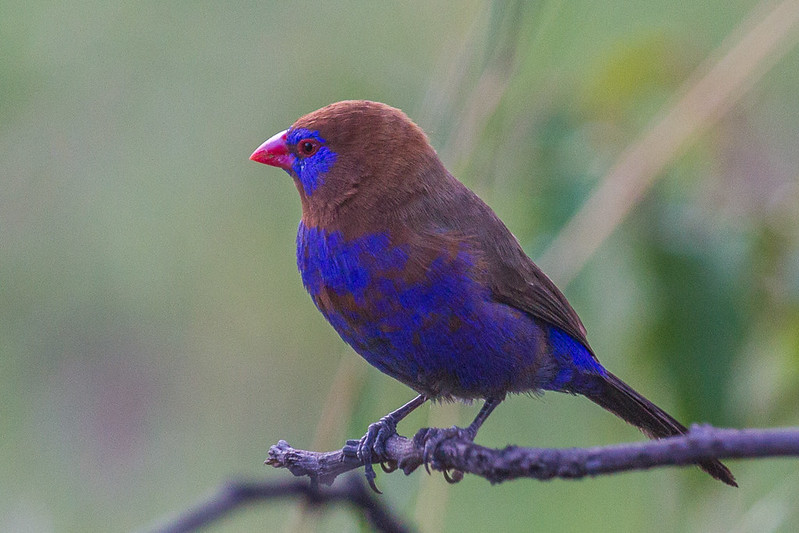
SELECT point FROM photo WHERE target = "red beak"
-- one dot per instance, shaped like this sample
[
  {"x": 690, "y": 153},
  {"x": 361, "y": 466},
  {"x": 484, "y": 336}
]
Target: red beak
[{"x": 274, "y": 152}]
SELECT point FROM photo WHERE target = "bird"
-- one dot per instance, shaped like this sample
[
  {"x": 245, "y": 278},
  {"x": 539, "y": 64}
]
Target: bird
[{"x": 423, "y": 280}]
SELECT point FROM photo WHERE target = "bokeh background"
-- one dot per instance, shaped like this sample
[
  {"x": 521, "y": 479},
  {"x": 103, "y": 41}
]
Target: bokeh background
[{"x": 155, "y": 337}]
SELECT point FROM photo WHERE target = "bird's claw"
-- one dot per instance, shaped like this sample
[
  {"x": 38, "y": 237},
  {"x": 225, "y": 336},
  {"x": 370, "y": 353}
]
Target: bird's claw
[
  {"x": 389, "y": 466},
  {"x": 431, "y": 439},
  {"x": 455, "y": 477},
  {"x": 373, "y": 446}
]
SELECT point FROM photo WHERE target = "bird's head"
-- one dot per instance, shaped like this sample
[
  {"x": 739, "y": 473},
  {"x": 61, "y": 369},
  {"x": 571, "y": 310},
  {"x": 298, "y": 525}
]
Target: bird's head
[{"x": 354, "y": 154}]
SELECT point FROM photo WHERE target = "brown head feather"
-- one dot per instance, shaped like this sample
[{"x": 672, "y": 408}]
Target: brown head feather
[{"x": 380, "y": 155}]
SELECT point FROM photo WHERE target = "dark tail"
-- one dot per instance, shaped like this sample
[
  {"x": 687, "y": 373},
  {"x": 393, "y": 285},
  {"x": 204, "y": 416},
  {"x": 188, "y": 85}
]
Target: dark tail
[{"x": 620, "y": 399}]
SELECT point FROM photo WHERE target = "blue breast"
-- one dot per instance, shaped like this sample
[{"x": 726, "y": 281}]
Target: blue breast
[{"x": 431, "y": 326}]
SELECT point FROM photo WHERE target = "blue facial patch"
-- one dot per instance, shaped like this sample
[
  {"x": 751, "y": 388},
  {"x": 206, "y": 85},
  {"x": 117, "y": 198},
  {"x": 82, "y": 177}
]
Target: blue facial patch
[{"x": 311, "y": 170}]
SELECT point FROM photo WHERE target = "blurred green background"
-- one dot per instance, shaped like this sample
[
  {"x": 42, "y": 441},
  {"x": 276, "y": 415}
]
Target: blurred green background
[{"x": 155, "y": 337}]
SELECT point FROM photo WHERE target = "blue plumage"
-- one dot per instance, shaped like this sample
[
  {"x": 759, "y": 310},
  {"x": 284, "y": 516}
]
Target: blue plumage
[
  {"x": 424, "y": 281},
  {"x": 576, "y": 366},
  {"x": 441, "y": 333},
  {"x": 311, "y": 170}
]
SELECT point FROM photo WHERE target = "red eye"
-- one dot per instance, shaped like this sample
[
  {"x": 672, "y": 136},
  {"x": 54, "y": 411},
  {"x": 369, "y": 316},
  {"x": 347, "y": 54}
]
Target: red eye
[{"x": 308, "y": 147}]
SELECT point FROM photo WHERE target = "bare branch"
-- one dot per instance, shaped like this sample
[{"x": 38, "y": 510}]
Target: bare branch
[
  {"x": 233, "y": 495},
  {"x": 512, "y": 462},
  {"x": 496, "y": 465}
]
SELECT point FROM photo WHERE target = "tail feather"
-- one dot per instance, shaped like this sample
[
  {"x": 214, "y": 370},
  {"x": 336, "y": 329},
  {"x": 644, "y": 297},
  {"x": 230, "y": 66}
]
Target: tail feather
[{"x": 613, "y": 394}]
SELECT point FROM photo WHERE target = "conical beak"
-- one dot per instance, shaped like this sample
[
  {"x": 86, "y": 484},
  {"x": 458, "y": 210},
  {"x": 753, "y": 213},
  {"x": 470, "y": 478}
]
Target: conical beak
[{"x": 274, "y": 152}]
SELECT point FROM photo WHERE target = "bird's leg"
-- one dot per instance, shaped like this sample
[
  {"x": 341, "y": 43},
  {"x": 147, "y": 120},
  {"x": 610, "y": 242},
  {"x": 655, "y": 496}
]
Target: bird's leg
[
  {"x": 432, "y": 437},
  {"x": 374, "y": 442}
]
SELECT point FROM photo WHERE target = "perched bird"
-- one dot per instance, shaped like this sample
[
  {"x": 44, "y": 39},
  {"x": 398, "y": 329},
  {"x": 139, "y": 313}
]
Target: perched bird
[{"x": 425, "y": 282}]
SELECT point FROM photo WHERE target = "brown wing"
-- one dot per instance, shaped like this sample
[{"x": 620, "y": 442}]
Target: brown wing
[
  {"x": 512, "y": 276},
  {"x": 521, "y": 284}
]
